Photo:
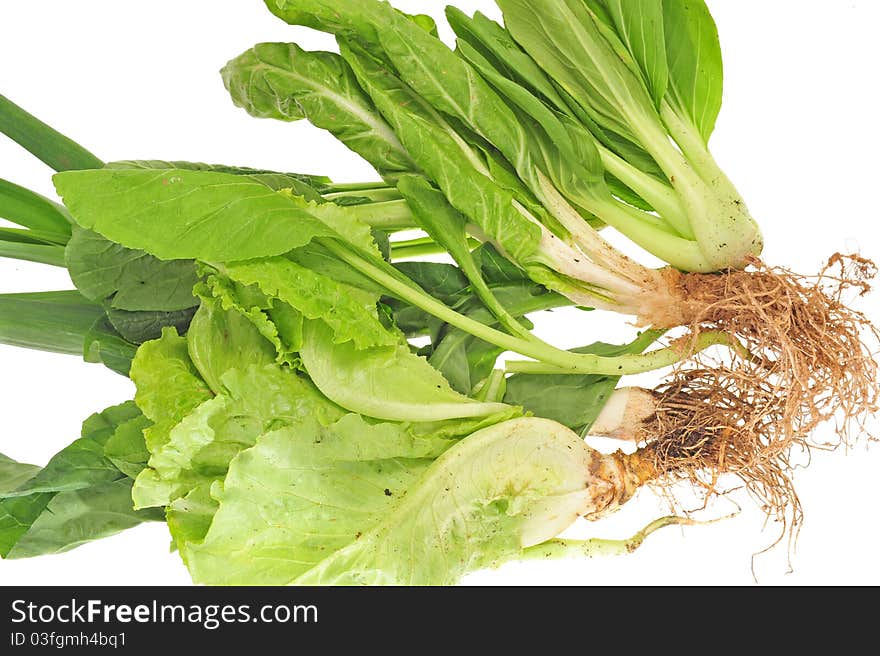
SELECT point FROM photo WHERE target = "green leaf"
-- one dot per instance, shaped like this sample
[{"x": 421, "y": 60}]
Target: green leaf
[
  {"x": 309, "y": 186},
  {"x": 349, "y": 313},
  {"x": 639, "y": 24},
  {"x": 82, "y": 463},
  {"x": 696, "y": 71},
  {"x": 129, "y": 279},
  {"x": 168, "y": 385},
  {"x": 177, "y": 214},
  {"x": 103, "y": 343},
  {"x": 79, "y": 516},
  {"x": 140, "y": 327},
  {"x": 220, "y": 340},
  {"x": 568, "y": 42},
  {"x": 464, "y": 360},
  {"x": 449, "y": 162},
  {"x": 80, "y": 495},
  {"x": 321, "y": 488},
  {"x": 284, "y": 82},
  {"x": 384, "y": 382},
  {"x": 481, "y": 503},
  {"x": 43, "y": 142},
  {"x": 253, "y": 401},
  {"x": 13, "y": 473},
  {"x": 448, "y": 227},
  {"x": 574, "y": 401},
  {"x": 126, "y": 448},
  {"x": 495, "y": 44}
]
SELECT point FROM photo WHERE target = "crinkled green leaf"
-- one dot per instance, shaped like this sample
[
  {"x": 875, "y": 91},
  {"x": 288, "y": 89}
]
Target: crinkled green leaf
[
  {"x": 499, "y": 490},
  {"x": 284, "y": 82},
  {"x": 253, "y": 401},
  {"x": 349, "y": 313},
  {"x": 320, "y": 489},
  {"x": 168, "y": 384}
]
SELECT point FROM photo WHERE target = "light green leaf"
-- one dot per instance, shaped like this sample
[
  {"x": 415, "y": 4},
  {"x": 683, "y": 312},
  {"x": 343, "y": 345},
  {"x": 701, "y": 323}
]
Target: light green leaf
[
  {"x": 13, "y": 473},
  {"x": 639, "y": 24},
  {"x": 321, "y": 488},
  {"x": 504, "y": 488},
  {"x": 219, "y": 340},
  {"x": 254, "y": 401},
  {"x": 568, "y": 42},
  {"x": 385, "y": 382},
  {"x": 168, "y": 385},
  {"x": 177, "y": 214}
]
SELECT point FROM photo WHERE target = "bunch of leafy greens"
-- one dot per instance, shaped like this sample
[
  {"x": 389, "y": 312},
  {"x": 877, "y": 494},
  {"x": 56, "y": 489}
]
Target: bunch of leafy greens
[
  {"x": 283, "y": 426},
  {"x": 573, "y": 115}
]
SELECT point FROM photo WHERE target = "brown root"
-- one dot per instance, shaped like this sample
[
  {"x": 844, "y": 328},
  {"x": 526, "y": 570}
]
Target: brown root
[{"x": 811, "y": 364}]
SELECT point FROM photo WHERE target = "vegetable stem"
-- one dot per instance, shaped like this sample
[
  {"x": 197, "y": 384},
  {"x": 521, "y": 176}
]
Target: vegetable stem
[
  {"x": 387, "y": 215},
  {"x": 564, "y": 361},
  {"x": 40, "y": 253},
  {"x": 31, "y": 210},
  {"x": 44, "y": 143}
]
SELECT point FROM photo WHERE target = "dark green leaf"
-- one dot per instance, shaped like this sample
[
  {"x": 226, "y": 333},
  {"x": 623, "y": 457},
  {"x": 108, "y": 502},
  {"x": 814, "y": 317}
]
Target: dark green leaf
[
  {"x": 140, "y": 327},
  {"x": 128, "y": 279}
]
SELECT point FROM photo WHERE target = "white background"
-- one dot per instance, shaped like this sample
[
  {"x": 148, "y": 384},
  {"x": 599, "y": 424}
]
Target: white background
[{"x": 798, "y": 134}]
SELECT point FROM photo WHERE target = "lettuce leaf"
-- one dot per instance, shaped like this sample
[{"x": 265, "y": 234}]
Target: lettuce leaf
[{"x": 366, "y": 504}]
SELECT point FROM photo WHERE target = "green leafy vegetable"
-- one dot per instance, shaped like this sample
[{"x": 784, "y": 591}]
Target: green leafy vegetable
[
  {"x": 284, "y": 82},
  {"x": 80, "y": 495}
]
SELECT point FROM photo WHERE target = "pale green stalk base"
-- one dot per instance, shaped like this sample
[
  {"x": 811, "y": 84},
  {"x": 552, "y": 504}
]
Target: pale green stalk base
[{"x": 595, "y": 547}]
